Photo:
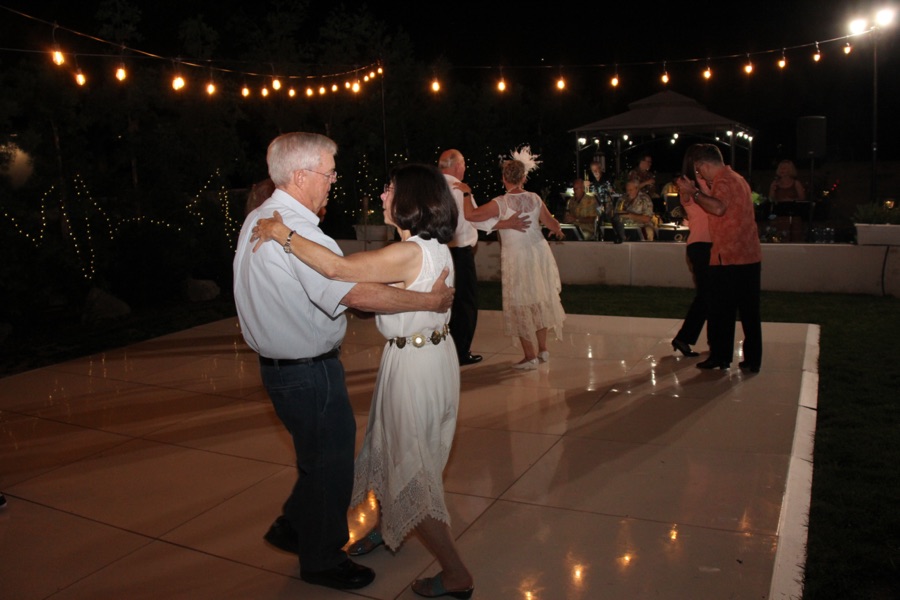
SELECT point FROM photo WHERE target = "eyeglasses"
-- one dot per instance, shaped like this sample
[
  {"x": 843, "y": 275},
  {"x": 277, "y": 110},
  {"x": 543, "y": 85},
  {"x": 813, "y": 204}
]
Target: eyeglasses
[
  {"x": 330, "y": 176},
  {"x": 388, "y": 187}
]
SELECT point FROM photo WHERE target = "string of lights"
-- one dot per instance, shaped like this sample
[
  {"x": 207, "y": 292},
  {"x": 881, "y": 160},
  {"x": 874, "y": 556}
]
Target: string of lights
[{"x": 352, "y": 79}]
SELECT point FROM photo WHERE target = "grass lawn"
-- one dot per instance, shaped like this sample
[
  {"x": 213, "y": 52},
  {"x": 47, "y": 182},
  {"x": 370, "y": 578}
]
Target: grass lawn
[{"x": 854, "y": 523}]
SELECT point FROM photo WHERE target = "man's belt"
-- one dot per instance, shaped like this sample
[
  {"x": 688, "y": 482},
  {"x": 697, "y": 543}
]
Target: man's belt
[{"x": 286, "y": 362}]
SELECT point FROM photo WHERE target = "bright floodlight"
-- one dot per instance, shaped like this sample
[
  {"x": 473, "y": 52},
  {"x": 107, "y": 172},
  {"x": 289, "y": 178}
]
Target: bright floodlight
[
  {"x": 884, "y": 17},
  {"x": 858, "y": 26}
]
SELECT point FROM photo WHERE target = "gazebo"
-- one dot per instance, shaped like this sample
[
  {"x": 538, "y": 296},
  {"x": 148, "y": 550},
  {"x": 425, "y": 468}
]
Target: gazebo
[{"x": 666, "y": 113}]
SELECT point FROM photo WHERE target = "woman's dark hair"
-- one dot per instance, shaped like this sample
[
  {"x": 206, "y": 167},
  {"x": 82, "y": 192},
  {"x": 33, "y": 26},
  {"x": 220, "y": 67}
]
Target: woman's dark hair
[
  {"x": 423, "y": 203},
  {"x": 687, "y": 166}
]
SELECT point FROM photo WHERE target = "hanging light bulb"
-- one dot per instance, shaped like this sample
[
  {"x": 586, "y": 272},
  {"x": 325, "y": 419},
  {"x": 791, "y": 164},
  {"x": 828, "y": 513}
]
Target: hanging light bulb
[
  {"x": 366, "y": 79},
  {"x": 848, "y": 48},
  {"x": 58, "y": 57},
  {"x": 435, "y": 85},
  {"x": 210, "y": 88},
  {"x": 309, "y": 92},
  {"x": 245, "y": 91},
  {"x": 380, "y": 70},
  {"x": 121, "y": 73},
  {"x": 356, "y": 87},
  {"x": 334, "y": 87},
  {"x": 561, "y": 83},
  {"x": 748, "y": 68},
  {"x": 782, "y": 63},
  {"x": 178, "y": 83},
  {"x": 371, "y": 74},
  {"x": 292, "y": 92},
  {"x": 276, "y": 84},
  {"x": 817, "y": 56},
  {"x": 80, "y": 79},
  {"x": 264, "y": 92},
  {"x": 501, "y": 85},
  {"x": 615, "y": 80},
  {"x": 707, "y": 74},
  {"x": 322, "y": 90}
]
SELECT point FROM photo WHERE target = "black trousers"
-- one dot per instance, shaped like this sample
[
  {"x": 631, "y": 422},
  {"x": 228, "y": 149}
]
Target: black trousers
[
  {"x": 698, "y": 257},
  {"x": 464, "y": 315},
  {"x": 735, "y": 291}
]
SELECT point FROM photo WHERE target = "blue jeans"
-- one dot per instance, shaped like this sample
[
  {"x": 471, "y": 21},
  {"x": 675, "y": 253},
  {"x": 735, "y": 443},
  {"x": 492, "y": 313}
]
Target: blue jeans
[{"x": 312, "y": 402}]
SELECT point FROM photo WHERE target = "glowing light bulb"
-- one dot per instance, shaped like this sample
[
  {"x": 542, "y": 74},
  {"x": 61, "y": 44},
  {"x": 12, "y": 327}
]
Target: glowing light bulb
[
  {"x": 782, "y": 63},
  {"x": 210, "y": 88},
  {"x": 178, "y": 83},
  {"x": 355, "y": 87},
  {"x": 614, "y": 81},
  {"x": 264, "y": 92},
  {"x": 817, "y": 56},
  {"x": 665, "y": 78},
  {"x": 276, "y": 84},
  {"x": 58, "y": 57},
  {"x": 292, "y": 92},
  {"x": 707, "y": 73},
  {"x": 371, "y": 74},
  {"x": 322, "y": 90},
  {"x": 501, "y": 85},
  {"x": 748, "y": 68},
  {"x": 435, "y": 85},
  {"x": 80, "y": 79},
  {"x": 121, "y": 73},
  {"x": 848, "y": 48},
  {"x": 245, "y": 91},
  {"x": 334, "y": 87},
  {"x": 366, "y": 78},
  {"x": 380, "y": 70},
  {"x": 309, "y": 92},
  {"x": 560, "y": 84}
]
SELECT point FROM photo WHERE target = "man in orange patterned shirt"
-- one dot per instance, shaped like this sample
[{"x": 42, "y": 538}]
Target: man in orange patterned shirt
[{"x": 735, "y": 257}]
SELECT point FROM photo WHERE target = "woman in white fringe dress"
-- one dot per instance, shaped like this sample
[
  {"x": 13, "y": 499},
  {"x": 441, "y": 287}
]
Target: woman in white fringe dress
[
  {"x": 413, "y": 415},
  {"x": 530, "y": 277}
]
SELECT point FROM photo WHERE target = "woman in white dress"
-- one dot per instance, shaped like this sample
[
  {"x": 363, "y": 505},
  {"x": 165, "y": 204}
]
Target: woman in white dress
[
  {"x": 531, "y": 286},
  {"x": 413, "y": 414}
]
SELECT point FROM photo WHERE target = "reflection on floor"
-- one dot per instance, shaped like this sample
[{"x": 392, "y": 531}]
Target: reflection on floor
[{"x": 618, "y": 470}]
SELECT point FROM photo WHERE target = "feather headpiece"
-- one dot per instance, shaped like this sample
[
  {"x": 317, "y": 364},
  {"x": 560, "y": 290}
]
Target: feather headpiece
[{"x": 523, "y": 155}]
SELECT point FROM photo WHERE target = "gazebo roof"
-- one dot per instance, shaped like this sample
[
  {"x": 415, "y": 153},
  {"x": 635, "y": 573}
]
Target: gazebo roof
[{"x": 665, "y": 112}]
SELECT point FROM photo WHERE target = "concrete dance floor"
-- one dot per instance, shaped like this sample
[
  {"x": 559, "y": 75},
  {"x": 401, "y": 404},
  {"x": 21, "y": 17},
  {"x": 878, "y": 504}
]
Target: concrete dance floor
[{"x": 617, "y": 470}]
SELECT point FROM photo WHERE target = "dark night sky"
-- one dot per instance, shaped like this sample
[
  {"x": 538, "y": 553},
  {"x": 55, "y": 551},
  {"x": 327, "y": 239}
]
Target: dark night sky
[{"x": 575, "y": 38}]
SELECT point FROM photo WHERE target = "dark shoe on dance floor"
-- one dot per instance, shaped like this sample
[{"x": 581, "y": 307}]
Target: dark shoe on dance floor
[
  {"x": 346, "y": 576},
  {"x": 746, "y": 366},
  {"x": 282, "y": 535},
  {"x": 433, "y": 587},
  {"x": 470, "y": 359},
  {"x": 713, "y": 364},
  {"x": 365, "y": 544},
  {"x": 684, "y": 348}
]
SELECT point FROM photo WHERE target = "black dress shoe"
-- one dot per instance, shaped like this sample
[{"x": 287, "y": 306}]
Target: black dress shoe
[
  {"x": 746, "y": 366},
  {"x": 710, "y": 363},
  {"x": 282, "y": 535},
  {"x": 470, "y": 359},
  {"x": 346, "y": 576},
  {"x": 683, "y": 347}
]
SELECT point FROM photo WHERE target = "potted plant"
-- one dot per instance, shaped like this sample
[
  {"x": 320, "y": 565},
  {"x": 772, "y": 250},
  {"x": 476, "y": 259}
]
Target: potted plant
[
  {"x": 876, "y": 224},
  {"x": 370, "y": 224}
]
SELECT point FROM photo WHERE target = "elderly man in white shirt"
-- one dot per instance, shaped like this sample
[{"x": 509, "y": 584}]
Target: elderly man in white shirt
[
  {"x": 294, "y": 318},
  {"x": 464, "y": 317}
]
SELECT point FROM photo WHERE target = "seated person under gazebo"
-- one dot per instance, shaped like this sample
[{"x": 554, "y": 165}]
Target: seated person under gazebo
[{"x": 635, "y": 208}]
